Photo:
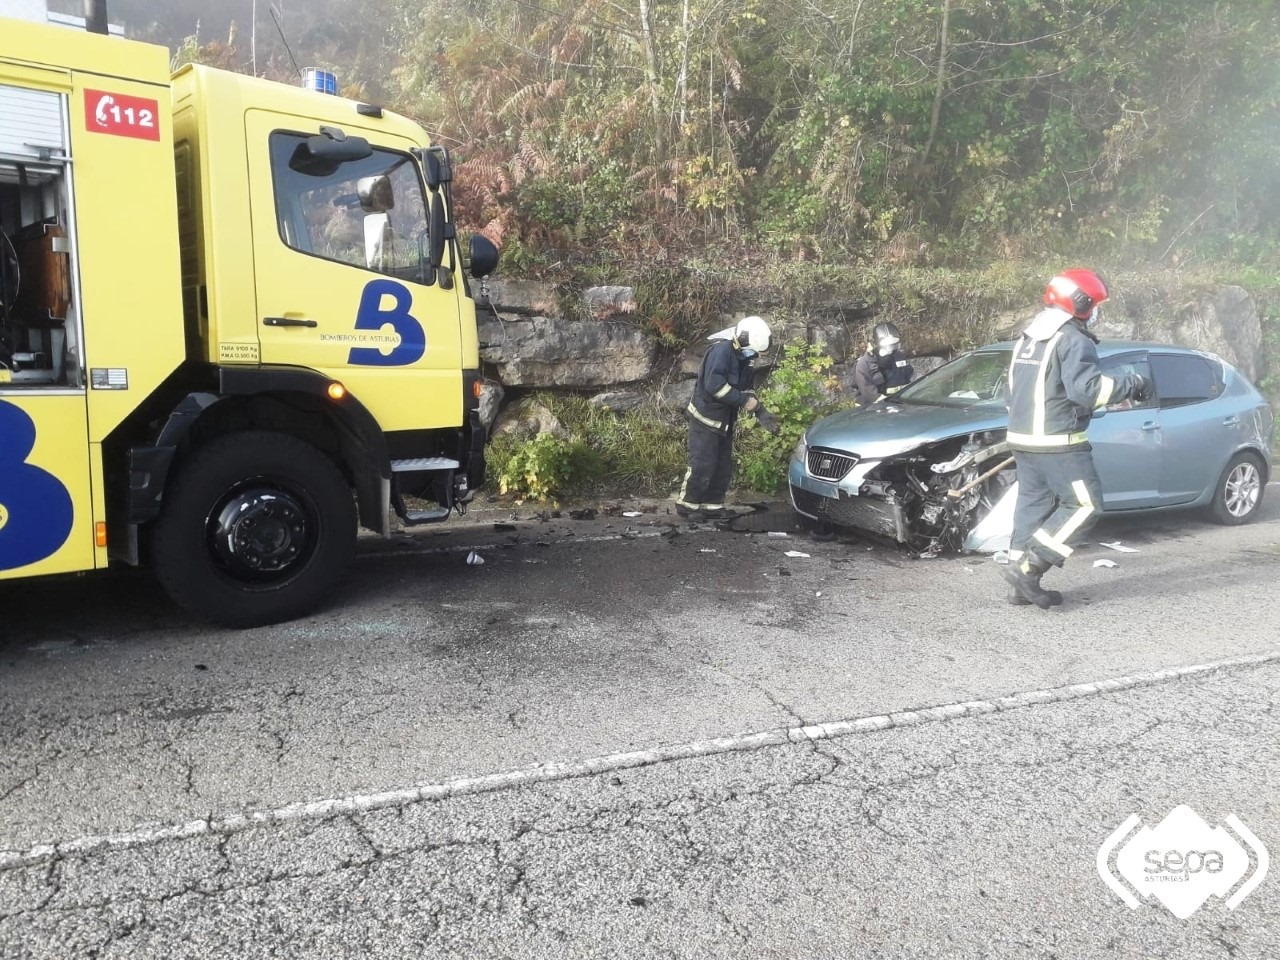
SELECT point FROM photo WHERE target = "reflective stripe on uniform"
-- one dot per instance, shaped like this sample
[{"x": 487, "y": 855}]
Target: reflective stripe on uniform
[
  {"x": 701, "y": 418},
  {"x": 1058, "y": 542},
  {"x": 723, "y": 391},
  {"x": 1042, "y": 377},
  {"x": 1049, "y": 440},
  {"x": 684, "y": 489},
  {"x": 1049, "y": 543},
  {"x": 1105, "y": 388}
]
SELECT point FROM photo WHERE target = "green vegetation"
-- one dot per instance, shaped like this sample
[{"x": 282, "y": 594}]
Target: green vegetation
[
  {"x": 637, "y": 451},
  {"x": 900, "y": 132},
  {"x": 800, "y": 390}
]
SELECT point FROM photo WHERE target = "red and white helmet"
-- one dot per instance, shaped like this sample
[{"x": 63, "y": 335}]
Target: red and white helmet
[{"x": 1078, "y": 292}]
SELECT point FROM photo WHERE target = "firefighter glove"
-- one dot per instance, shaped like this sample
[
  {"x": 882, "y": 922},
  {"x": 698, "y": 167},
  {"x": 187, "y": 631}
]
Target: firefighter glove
[
  {"x": 767, "y": 420},
  {"x": 1141, "y": 388}
]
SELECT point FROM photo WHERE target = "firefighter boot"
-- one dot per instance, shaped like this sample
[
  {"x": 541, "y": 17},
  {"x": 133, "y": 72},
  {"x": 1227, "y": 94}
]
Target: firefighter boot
[{"x": 1024, "y": 576}]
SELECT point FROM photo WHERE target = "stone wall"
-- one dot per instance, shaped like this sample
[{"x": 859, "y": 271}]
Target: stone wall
[{"x": 528, "y": 344}]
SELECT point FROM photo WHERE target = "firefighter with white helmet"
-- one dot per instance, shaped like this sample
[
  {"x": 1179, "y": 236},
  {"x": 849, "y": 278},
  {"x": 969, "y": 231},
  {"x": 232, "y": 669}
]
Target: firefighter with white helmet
[
  {"x": 1055, "y": 385},
  {"x": 723, "y": 389},
  {"x": 884, "y": 369}
]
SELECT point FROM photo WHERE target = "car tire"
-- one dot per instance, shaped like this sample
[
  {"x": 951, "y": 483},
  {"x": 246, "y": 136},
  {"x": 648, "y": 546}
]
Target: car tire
[
  {"x": 1239, "y": 492},
  {"x": 256, "y": 528}
]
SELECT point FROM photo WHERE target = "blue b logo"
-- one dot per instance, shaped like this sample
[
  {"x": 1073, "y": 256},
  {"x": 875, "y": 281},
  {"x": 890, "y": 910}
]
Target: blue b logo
[
  {"x": 371, "y": 316},
  {"x": 36, "y": 512}
]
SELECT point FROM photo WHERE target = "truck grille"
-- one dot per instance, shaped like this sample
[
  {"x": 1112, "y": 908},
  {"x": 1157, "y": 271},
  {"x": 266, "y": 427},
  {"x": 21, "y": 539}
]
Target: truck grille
[{"x": 829, "y": 465}]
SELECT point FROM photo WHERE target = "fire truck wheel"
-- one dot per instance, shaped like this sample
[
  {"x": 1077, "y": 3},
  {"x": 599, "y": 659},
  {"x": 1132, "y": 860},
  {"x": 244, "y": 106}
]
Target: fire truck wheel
[{"x": 256, "y": 528}]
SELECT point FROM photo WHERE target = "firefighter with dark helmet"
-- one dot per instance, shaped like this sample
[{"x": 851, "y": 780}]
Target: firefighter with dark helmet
[
  {"x": 884, "y": 369},
  {"x": 1055, "y": 385},
  {"x": 723, "y": 389}
]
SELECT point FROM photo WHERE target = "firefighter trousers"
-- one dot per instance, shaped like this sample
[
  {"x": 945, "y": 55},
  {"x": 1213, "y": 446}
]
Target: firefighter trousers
[
  {"x": 1059, "y": 500},
  {"x": 710, "y": 468}
]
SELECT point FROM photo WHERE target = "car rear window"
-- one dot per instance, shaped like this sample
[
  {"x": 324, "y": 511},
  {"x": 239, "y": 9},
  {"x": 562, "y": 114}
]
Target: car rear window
[{"x": 1181, "y": 379}]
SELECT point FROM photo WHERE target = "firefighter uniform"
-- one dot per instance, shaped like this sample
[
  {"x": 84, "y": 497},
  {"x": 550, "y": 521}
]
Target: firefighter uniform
[
  {"x": 875, "y": 376},
  {"x": 1055, "y": 385},
  {"x": 722, "y": 389}
]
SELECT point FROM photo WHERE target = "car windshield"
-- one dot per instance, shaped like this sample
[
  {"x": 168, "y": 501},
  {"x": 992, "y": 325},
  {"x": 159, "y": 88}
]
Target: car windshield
[{"x": 976, "y": 378}]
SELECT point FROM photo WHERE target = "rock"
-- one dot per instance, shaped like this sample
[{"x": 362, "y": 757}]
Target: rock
[
  {"x": 527, "y": 419},
  {"x": 1227, "y": 324},
  {"x": 618, "y": 401},
  {"x": 491, "y": 394},
  {"x": 676, "y": 396},
  {"x": 691, "y": 359},
  {"x": 547, "y": 352},
  {"x": 604, "y": 303},
  {"x": 522, "y": 296}
]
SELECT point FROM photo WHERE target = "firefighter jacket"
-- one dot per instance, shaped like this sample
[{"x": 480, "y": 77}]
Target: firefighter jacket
[
  {"x": 874, "y": 376},
  {"x": 897, "y": 371},
  {"x": 868, "y": 380},
  {"x": 723, "y": 387},
  {"x": 1055, "y": 384}
]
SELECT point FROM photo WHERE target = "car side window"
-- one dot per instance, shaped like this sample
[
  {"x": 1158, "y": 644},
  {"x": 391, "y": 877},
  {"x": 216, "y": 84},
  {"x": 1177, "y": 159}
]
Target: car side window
[
  {"x": 1116, "y": 367},
  {"x": 1183, "y": 379}
]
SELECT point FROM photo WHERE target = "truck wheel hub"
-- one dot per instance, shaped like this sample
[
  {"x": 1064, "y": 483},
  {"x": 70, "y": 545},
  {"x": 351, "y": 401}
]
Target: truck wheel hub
[{"x": 257, "y": 534}]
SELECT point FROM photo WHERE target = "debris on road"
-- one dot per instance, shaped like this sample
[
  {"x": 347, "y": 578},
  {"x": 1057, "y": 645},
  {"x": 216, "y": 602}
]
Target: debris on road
[
  {"x": 632, "y": 513},
  {"x": 777, "y": 533},
  {"x": 706, "y": 550},
  {"x": 1105, "y": 563},
  {"x": 1118, "y": 547},
  {"x": 474, "y": 559},
  {"x": 796, "y": 554}
]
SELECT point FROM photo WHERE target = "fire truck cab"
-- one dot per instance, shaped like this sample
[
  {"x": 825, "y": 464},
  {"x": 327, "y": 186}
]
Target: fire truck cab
[{"x": 234, "y": 325}]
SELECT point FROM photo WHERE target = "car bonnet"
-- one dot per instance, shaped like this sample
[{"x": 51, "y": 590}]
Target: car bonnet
[{"x": 887, "y": 429}]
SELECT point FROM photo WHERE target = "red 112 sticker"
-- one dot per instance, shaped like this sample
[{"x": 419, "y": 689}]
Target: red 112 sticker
[{"x": 121, "y": 115}]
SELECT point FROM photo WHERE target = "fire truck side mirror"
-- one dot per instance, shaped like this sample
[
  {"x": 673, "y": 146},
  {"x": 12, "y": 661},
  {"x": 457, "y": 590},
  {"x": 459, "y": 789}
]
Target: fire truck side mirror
[
  {"x": 484, "y": 256},
  {"x": 436, "y": 168},
  {"x": 437, "y": 231}
]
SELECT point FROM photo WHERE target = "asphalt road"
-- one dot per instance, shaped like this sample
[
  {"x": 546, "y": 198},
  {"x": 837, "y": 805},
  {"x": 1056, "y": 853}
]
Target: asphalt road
[{"x": 146, "y": 748}]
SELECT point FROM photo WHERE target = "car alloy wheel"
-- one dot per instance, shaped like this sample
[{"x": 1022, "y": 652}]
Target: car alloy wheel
[{"x": 1242, "y": 490}]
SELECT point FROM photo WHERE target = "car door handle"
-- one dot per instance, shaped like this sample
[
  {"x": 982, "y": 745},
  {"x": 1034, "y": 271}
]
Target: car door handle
[
  {"x": 1231, "y": 422},
  {"x": 1151, "y": 425},
  {"x": 288, "y": 322}
]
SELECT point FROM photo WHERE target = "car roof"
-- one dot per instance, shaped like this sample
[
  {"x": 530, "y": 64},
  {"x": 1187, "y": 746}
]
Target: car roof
[{"x": 1110, "y": 348}]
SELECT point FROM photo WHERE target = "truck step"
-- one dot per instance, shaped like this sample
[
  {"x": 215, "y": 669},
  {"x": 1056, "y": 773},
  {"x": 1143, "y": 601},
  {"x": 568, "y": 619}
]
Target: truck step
[
  {"x": 412, "y": 518},
  {"x": 422, "y": 464}
]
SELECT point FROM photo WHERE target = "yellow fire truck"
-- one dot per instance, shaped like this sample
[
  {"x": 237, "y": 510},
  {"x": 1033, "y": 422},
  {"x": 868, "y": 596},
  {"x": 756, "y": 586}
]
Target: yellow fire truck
[{"x": 234, "y": 325}]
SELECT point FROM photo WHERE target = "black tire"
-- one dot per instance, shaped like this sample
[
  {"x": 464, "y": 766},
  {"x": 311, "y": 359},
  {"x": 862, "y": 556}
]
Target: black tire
[
  {"x": 256, "y": 528},
  {"x": 1239, "y": 493}
]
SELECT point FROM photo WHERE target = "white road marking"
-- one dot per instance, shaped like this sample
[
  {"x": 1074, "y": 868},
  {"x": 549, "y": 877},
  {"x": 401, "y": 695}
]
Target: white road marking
[{"x": 573, "y": 769}]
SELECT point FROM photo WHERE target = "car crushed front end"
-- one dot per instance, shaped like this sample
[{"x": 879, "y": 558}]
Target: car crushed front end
[
  {"x": 925, "y": 468},
  {"x": 934, "y": 498}
]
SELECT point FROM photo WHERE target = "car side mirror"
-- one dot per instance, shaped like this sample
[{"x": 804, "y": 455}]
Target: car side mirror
[{"x": 1099, "y": 413}]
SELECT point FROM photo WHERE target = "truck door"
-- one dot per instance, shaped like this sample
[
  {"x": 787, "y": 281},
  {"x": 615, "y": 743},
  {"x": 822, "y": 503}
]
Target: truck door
[
  {"x": 46, "y": 494},
  {"x": 341, "y": 271}
]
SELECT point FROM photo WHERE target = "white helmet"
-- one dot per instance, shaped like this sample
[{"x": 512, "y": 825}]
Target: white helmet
[{"x": 753, "y": 333}]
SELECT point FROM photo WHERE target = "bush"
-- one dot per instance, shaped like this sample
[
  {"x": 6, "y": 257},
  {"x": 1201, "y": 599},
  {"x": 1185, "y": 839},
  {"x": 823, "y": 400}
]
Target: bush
[
  {"x": 799, "y": 392},
  {"x": 541, "y": 468}
]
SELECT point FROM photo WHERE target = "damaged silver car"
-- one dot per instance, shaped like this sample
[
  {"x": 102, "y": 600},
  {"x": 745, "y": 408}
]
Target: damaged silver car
[{"x": 929, "y": 467}]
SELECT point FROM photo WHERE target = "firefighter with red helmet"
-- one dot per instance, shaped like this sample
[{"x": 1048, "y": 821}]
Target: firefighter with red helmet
[{"x": 1055, "y": 385}]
